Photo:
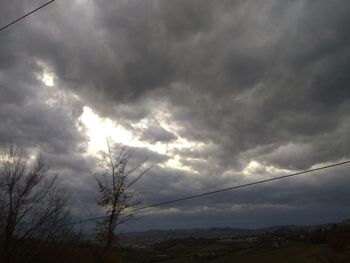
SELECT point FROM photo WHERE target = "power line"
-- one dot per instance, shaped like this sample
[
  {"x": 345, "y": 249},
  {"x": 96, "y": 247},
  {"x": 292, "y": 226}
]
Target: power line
[
  {"x": 24, "y": 16},
  {"x": 216, "y": 191}
]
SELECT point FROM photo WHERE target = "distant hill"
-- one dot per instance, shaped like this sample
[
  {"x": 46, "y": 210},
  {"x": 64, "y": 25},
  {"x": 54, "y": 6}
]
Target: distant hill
[{"x": 154, "y": 236}]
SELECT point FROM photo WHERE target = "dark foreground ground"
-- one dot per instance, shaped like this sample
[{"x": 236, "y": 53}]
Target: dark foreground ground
[
  {"x": 328, "y": 243},
  {"x": 289, "y": 253},
  {"x": 285, "y": 245}
]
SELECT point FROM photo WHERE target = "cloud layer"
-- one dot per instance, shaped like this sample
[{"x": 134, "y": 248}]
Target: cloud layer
[{"x": 220, "y": 93}]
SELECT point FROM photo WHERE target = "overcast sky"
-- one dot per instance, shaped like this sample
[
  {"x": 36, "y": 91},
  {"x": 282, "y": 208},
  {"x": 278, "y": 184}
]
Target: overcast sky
[{"x": 216, "y": 93}]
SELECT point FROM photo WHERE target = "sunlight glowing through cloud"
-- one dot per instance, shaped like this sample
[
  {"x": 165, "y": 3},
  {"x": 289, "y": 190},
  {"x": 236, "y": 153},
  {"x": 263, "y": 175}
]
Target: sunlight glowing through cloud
[
  {"x": 256, "y": 170},
  {"x": 252, "y": 168},
  {"x": 174, "y": 162},
  {"x": 47, "y": 76},
  {"x": 99, "y": 129},
  {"x": 48, "y": 79}
]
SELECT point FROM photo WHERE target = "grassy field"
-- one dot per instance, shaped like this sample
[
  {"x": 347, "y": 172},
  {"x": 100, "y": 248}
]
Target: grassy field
[
  {"x": 185, "y": 251},
  {"x": 288, "y": 254},
  {"x": 287, "y": 246},
  {"x": 304, "y": 253}
]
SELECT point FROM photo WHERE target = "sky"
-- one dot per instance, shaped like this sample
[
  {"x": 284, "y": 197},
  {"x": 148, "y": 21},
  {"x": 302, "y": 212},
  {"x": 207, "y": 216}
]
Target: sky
[{"x": 212, "y": 93}]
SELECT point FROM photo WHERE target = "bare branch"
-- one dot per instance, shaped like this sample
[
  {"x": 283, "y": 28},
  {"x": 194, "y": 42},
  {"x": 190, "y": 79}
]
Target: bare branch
[
  {"x": 31, "y": 206},
  {"x": 115, "y": 196}
]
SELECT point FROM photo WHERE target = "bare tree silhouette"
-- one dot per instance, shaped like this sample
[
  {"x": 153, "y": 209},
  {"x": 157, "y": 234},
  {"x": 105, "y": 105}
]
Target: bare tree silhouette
[
  {"x": 31, "y": 204},
  {"x": 115, "y": 188}
]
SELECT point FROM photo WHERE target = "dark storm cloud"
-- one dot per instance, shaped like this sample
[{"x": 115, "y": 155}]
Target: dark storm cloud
[
  {"x": 243, "y": 75},
  {"x": 252, "y": 80},
  {"x": 38, "y": 118},
  {"x": 157, "y": 133},
  {"x": 309, "y": 199},
  {"x": 286, "y": 86},
  {"x": 28, "y": 120}
]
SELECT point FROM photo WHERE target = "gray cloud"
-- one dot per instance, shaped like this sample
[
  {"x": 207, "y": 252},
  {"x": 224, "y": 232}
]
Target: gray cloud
[
  {"x": 251, "y": 80},
  {"x": 156, "y": 133}
]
